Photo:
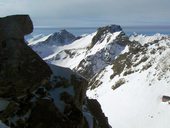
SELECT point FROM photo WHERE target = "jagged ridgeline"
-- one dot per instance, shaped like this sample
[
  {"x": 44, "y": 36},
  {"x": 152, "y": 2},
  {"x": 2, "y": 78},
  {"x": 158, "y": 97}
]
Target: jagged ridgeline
[
  {"x": 128, "y": 74},
  {"x": 34, "y": 94}
]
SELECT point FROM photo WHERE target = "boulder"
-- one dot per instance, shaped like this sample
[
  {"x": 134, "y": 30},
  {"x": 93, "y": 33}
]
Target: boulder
[
  {"x": 165, "y": 98},
  {"x": 15, "y": 26}
]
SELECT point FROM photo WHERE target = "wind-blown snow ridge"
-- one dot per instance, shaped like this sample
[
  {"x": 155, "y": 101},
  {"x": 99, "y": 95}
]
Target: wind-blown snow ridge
[{"x": 38, "y": 39}]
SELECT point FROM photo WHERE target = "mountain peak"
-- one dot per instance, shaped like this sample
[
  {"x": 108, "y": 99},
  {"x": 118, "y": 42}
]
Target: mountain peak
[
  {"x": 61, "y": 38},
  {"x": 103, "y": 31},
  {"x": 110, "y": 28},
  {"x": 63, "y": 31}
]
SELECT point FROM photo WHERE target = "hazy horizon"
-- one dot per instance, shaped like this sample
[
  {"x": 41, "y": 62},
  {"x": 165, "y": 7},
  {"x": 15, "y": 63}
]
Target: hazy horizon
[{"x": 126, "y": 26}]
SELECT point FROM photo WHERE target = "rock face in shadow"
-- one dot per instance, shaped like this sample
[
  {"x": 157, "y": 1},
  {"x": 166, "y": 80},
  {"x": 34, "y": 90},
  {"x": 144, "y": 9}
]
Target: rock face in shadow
[
  {"x": 19, "y": 64},
  {"x": 97, "y": 112},
  {"x": 45, "y": 115},
  {"x": 16, "y": 26}
]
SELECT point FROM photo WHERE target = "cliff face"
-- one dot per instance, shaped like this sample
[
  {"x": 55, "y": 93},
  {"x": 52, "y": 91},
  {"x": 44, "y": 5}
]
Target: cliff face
[{"x": 34, "y": 94}]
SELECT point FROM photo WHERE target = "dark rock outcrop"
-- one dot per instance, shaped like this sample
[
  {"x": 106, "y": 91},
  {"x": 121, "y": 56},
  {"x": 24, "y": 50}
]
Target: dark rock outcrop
[
  {"x": 165, "y": 98},
  {"x": 97, "y": 112},
  {"x": 16, "y": 26},
  {"x": 46, "y": 115},
  {"x": 19, "y": 64}
]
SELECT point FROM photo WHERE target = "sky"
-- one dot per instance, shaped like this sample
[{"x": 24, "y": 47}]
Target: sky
[{"x": 90, "y": 13}]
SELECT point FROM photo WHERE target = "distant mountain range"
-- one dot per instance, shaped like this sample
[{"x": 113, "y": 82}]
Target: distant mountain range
[{"x": 128, "y": 75}]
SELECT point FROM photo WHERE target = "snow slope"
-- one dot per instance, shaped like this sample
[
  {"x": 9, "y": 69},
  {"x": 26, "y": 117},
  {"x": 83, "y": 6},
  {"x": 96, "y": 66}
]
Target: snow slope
[
  {"x": 38, "y": 39},
  {"x": 70, "y": 55},
  {"x": 50, "y": 44},
  {"x": 137, "y": 103}
]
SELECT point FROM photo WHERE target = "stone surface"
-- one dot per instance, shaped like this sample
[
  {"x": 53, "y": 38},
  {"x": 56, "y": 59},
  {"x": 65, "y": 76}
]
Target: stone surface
[
  {"x": 15, "y": 26},
  {"x": 97, "y": 112},
  {"x": 21, "y": 69},
  {"x": 165, "y": 98},
  {"x": 46, "y": 115}
]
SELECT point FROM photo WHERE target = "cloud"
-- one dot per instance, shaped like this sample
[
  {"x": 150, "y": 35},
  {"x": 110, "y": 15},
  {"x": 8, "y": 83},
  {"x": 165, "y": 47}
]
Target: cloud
[{"x": 90, "y": 12}]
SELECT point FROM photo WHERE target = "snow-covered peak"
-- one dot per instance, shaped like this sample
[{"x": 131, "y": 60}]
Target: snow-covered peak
[
  {"x": 52, "y": 43},
  {"x": 102, "y": 32},
  {"x": 56, "y": 39},
  {"x": 110, "y": 28},
  {"x": 60, "y": 38},
  {"x": 107, "y": 40}
]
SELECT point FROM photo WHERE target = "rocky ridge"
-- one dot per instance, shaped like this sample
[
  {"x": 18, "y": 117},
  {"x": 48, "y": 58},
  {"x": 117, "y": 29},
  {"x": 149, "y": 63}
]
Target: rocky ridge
[{"x": 91, "y": 53}]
